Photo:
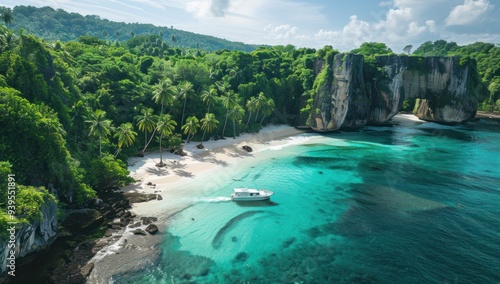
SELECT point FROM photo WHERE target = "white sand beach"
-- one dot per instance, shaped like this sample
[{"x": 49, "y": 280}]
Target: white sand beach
[
  {"x": 406, "y": 119},
  {"x": 178, "y": 183},
  {"x": 172, "y": 181}
]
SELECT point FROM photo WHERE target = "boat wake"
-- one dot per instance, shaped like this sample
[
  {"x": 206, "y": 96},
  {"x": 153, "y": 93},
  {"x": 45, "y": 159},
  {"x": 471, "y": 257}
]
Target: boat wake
[{"x": 213, "y": 199}]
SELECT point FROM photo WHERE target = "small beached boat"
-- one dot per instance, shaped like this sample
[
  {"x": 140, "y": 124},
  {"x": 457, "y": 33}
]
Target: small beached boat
[{"x": 250, "y": 194}]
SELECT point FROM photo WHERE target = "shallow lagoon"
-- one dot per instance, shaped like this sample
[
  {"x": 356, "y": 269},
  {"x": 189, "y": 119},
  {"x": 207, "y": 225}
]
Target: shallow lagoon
[{"x": 396, "y": 204}]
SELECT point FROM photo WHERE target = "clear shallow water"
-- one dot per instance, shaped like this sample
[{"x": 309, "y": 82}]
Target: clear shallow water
[{"x": 416, "y": 204}]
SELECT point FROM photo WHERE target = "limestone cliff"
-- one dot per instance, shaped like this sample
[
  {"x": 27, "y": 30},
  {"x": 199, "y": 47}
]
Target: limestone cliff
[
  {"x": 340, "y": 94},
  {"x": 385, "y": 87},
  {"x": 34, "y": 236},
  {"x": 446, "y": 87},
  {"x": 350, "y": 92}
]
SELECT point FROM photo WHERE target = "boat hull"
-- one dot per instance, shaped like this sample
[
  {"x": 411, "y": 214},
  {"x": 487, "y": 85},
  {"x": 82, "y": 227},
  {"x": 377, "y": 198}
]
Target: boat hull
[
  {"x": 248, "y": 194},
  {"x": 249, "y": 198}
]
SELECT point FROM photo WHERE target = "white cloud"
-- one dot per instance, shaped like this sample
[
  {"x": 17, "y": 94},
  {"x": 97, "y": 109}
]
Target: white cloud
[
  {"x": 282, "y": 31},
  {"x": 216, "y": 8},
  {"x": 468, "y": 13},
  {"x": 431, "y": 24},
  {"x": 398, "y": 26}
]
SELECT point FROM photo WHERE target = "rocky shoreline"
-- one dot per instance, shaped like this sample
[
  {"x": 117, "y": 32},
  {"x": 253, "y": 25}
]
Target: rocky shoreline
[
  {"x": 81, "y": 265},
  {"x": 85, "y": 232}
]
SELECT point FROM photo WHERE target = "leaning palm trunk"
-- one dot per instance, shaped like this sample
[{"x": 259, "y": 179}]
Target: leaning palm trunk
[
  {"x": 145, "y": 141},
  {"x": 249, "y": 116},
  {"x": 234, "y": 129},
  {"x": 203, "y": 137},
  {"x": 117, "y": 152},
  {"x": 225, "y": 123},
  {"x": 262, "y": 120},
  {"x": 151, "y": 138},
  {"x": 183, "y": 110},
  {"x": 100, "y": 148},
  {"x": 161, "y": 164}
]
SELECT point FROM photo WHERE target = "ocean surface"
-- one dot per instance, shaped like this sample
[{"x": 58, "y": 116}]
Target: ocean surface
[{"x": 402, "y": 204}]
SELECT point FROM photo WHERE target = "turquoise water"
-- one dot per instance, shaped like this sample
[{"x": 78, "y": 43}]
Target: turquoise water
[{"x": 417, "y": 204}]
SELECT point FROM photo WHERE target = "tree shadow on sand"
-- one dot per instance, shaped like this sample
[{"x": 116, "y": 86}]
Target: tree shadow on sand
[
  {"x": 184, "y": 173},
  {"x": 157, "y": 171},
  {"x": 177, "y": 165},
  {"x": 210, "y": 158},
  {"x": 238, "y": 154}
]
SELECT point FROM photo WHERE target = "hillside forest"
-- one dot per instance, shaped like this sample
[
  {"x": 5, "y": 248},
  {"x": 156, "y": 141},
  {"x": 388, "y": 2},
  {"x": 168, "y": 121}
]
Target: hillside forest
[{"x": 73, "y": 111}]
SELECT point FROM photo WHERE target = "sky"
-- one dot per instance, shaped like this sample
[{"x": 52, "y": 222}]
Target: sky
[{"x": 342, "y": 24}]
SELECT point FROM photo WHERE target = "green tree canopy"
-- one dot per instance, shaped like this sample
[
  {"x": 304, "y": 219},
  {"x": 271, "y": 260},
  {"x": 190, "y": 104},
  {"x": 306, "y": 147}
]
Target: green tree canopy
[{"x": 372, "y": 49}]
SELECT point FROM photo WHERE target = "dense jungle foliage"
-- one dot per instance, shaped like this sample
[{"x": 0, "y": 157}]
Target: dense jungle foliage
[{"x": 72, "y": 112}]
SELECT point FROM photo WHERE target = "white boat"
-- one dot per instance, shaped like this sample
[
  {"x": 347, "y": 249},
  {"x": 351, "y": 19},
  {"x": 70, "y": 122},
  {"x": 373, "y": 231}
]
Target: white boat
[{"x": 250, "y": 194}]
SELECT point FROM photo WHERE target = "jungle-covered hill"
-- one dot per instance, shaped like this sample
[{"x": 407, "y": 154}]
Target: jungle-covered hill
[{"x": 57, "y": 24}]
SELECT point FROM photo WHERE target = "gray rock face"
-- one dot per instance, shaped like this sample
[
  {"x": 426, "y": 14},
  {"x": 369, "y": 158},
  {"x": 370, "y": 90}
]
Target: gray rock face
[
  {"x": 32, "y": 237},
  {"x": 447, "y": 88},
  {"x": 347, "y": 95},
  {"x": 386, "y": 90},
  {"x": 341, "y": 89}
]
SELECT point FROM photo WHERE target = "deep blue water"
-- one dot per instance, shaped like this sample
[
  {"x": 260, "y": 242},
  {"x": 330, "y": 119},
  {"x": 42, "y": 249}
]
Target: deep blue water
[{"x": 417, "y": 204}]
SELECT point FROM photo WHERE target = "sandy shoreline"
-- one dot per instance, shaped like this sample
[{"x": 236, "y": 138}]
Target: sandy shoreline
[
  {"x": 181, "y": 181},
  {"x": 175, "y": 184},
  {"x": 171, "y": 182}
]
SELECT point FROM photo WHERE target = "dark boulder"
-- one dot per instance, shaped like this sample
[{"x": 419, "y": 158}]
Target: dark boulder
[
  {"x": 247, "y": 148},
  {"x": 148, "y": 220},
  {"x": 108, "y": 233},
  {"x": 139, "y": 232},
  {"x": 152, "y": 229},
  {"x": 87, "y": 269},
  {"x": 135, "y": 225},
  {"x": 136, "y": 197}
]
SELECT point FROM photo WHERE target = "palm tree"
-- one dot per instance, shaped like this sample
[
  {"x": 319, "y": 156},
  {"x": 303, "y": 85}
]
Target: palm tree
[
  {"x": 259, "y": 104},
  {"x": 228, "y": 100},
  {"x": 163, "y": 93},
  {"x": 210, "y": 97},
  {"x": 166, "y": 126},
  {"x": 126, "y": 136},
  {"x": 100, "y": 127},
  {"x": 208, "y": 123},
  {"x": 191, "y": 127},
  {"x": 267, "y": 109},
  {"x": 184, "y": 91},
  {"x": 146, "y": 123},
  {"x": 236, "y": 114},
  {"x": 6, "y": 16},
  {"x": 251, "y": 106},
  {"x": 79, "y": 116},
  {"x": 6, "y": 39}
]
